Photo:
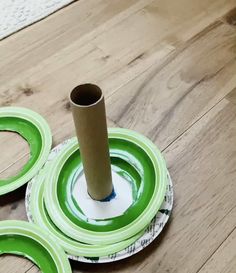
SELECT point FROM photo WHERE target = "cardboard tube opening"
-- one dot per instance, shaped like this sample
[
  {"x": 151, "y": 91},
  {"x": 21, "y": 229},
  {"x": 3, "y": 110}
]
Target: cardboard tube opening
[
  {"x": 86, "y": 95},
  {"x": 88, "y": 109}
]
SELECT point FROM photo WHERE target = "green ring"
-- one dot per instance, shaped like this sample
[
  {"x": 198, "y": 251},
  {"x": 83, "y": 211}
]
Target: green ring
[
  {"x": 105, "y": 238},
  {"x": 74, "y": 248},
  {"x": 28, "y": 240},
  {"x": 35, "y": 130},
  {"x": 135, "y": 165}
]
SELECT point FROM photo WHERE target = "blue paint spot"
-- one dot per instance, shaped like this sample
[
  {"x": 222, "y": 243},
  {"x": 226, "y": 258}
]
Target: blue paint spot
[{"x": 109, "y": 197}]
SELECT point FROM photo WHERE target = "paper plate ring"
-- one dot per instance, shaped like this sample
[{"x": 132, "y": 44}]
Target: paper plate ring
[
  {"x": 79, "y": 233},
  {"x": 35, "y": 130}
]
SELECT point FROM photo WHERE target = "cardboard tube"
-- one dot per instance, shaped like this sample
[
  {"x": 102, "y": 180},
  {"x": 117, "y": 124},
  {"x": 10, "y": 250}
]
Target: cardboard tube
[{"x": 88, "y": 109}]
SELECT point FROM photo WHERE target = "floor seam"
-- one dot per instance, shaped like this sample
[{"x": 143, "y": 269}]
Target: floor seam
[
  {"x": 191, "y": 125},
  {"x": 29, "y": 268},
  {"x": 201, "y": 267}
]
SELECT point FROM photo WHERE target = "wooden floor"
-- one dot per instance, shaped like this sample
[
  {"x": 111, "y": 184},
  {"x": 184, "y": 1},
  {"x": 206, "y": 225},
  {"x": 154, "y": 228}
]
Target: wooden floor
[{"x": 168, "y": 70}]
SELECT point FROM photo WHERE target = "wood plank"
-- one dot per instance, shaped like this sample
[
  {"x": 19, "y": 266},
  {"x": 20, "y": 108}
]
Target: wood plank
[
  {"x": 58, "y": 63},
  {"x": 164, "y": 101},
  {"x": 63, "y": 27},
  {"x": 166, "y": 26},
  {"x": 204, "y": 187},
  {"x": 162, "y": 22}
]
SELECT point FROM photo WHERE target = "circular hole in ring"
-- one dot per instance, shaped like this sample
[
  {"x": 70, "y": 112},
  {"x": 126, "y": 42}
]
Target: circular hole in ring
[
  {"x": 16, "y": 153},
  {"x": 10, "y": 261}
]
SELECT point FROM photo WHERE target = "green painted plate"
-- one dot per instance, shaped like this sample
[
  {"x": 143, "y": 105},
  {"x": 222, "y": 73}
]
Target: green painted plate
[
  {"x": 127, "y": 146},
  {"x": 36, "y": 212},
  {"x": 35, "y": 130},
  {"x": 28, "y": 240}
]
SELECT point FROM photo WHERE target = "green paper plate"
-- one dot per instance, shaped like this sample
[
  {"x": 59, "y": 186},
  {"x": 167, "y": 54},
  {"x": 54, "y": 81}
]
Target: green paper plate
[
  {"x": 40, "y": 217},
  {"x": 35, "y": 130},
  {"x": 28, "y": 240},
  {"x": 131, "y": 225}
]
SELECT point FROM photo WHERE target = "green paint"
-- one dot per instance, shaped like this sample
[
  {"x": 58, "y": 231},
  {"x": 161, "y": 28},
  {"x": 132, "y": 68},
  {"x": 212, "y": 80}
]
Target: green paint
[
  {"x": 35, "y": 130},
  {"x": 29, "y": 248},
  {"x": 131, "y": 162}
]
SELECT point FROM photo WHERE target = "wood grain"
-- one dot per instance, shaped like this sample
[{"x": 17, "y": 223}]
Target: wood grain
[
  {"x": 192, "y": 81},
  {"x": 167, "y": 69}
]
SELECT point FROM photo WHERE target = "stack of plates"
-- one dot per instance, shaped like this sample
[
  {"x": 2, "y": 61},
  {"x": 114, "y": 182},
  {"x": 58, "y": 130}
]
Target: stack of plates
[{"x": 93, "y": 231}]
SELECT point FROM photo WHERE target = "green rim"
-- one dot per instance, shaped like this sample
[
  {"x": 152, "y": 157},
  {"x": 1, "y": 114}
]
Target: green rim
[
  {"x": 35, "y": 130},
  {"x": 134, "y": 227},
  {"x": 28, "y": 240},
  {"x": 41, "y": 218}
]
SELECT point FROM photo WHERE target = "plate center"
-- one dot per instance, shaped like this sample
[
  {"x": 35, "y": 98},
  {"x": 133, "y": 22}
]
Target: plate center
[{"x": 100, "y": 210}]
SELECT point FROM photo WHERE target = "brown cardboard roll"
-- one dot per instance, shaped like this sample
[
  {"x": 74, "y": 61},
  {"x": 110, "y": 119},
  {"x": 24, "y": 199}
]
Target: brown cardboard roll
[{"x": 88, "y": 108}]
